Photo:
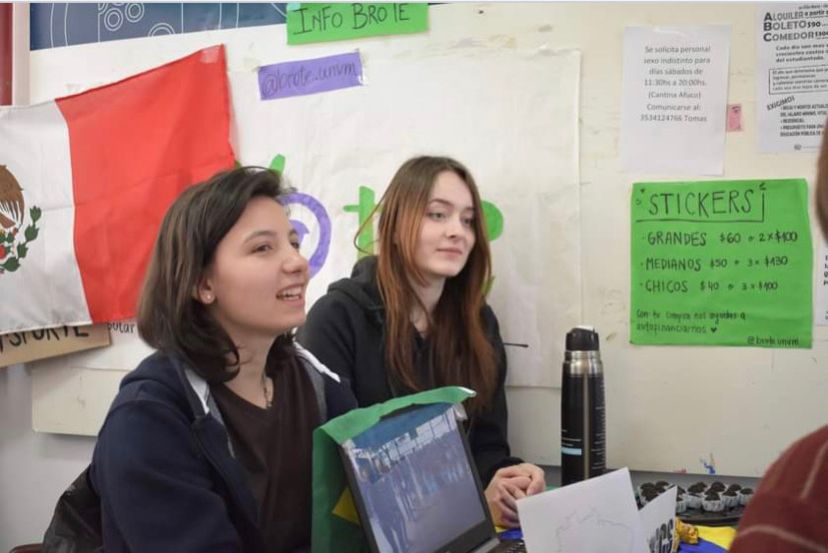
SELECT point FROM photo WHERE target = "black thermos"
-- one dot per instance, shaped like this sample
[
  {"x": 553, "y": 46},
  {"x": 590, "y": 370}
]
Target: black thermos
[{"x": 583, "y": 415}]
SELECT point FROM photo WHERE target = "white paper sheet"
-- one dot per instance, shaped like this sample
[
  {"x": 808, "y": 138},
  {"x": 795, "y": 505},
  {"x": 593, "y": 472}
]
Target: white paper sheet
[
  {"x": 593, "y": 516},
  {"x": 791, "y": 75},
  {"x": 658, "y": 518},
  {"x": 675, "y": 99}
]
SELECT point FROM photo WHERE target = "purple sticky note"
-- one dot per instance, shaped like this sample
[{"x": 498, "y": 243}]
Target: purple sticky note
[{"x": 297, "y": 78}]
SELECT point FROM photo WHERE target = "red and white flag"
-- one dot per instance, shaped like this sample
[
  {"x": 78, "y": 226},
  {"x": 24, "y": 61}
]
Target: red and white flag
[{"x": 85, "y": 181}]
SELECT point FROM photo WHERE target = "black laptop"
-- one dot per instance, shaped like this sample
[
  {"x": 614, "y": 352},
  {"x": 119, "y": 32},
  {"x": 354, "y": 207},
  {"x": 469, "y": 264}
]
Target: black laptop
[{"x": 416, "y": 487}]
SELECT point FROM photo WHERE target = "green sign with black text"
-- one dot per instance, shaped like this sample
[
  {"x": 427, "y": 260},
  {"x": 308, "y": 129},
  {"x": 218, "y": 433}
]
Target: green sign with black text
[
  {"x": 721, "y": 263},
  {"x": 310, "y": 22}
]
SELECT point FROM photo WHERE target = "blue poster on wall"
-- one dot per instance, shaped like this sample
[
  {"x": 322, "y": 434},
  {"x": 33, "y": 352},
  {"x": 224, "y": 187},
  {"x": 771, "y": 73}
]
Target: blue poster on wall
[{"x": 55, "y": 24}]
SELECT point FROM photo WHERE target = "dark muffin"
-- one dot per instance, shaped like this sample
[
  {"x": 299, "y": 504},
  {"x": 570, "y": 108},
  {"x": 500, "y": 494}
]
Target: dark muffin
[
  {"x": 712, "y": 502},
  {"x": 693, "y": 500},
  {"x": 730, "y": 499},
  {"x": 639, "y": 491},
  {"x": 698, "y": 487},
  {"x": 647, "y": 496}
]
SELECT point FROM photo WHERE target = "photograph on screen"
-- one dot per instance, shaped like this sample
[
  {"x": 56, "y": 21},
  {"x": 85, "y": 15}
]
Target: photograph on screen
[{"x": 415, "y": 480}]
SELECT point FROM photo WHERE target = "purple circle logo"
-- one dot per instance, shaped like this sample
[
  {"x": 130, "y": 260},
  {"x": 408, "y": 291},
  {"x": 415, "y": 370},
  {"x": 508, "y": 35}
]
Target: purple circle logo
[{"x": 320, "y": 254}]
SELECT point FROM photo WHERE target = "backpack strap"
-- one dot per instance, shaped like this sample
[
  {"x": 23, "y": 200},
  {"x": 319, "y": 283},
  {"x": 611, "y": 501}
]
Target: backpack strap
[
  {"x": 317, "y": 373},
  {"x": 199, "y": 397}
]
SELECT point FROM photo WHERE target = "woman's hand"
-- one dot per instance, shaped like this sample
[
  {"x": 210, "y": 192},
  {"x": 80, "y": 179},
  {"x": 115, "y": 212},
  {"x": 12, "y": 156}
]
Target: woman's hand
[{"x": 507, "y": 486}]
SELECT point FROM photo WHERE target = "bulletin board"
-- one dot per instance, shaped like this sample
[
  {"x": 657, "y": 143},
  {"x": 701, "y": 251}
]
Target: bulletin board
[{"x": 692, "y": 409}]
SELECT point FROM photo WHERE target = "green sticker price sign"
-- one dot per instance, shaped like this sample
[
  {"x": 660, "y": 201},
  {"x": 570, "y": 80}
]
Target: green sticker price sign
[{"x": 721, "y": 263}]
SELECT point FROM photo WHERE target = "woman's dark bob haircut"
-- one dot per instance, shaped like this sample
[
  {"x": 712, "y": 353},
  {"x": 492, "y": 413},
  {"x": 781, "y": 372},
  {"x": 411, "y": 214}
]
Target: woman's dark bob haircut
[{"x": 170, "y": 318}]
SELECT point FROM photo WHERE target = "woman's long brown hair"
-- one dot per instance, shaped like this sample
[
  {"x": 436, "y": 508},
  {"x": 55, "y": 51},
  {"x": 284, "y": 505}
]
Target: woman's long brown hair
[{"x": 461, "y": 353}]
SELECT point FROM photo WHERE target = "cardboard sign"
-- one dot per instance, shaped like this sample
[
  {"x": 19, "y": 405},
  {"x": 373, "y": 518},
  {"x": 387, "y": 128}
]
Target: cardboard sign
[{"x": 21, "y": 347}]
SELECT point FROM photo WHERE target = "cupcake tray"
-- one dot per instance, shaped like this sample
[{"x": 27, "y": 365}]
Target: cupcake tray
[{"x": 728, "y": 517}]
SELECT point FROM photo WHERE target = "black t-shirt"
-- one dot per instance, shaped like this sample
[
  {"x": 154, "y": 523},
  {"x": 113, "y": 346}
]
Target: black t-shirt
[{"x": 275, "y": 446}]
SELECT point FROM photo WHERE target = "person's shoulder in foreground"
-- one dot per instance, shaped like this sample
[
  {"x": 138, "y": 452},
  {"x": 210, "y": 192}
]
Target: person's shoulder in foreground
[{"x": 789, "y": 513}]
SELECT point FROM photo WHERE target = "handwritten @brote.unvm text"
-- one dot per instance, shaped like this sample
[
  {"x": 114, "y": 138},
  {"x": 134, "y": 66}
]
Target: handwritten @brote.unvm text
[{"x": 311, "y": 76}]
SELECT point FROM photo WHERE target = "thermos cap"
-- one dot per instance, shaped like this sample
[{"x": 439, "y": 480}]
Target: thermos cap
[{"x": 582, "y": 338}]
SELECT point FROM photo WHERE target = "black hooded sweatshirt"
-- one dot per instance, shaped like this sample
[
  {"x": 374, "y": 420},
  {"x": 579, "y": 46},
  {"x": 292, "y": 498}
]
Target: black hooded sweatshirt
[{"x": 345, "y": 330}]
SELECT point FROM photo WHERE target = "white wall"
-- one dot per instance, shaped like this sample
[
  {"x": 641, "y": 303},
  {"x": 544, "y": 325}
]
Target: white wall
[
  {"x": 657, "y": 417},
  {"x": 34, "y": 468}
]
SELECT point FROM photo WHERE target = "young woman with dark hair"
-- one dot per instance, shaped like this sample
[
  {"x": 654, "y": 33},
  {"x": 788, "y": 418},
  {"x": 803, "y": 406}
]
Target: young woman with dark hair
[
  {"x": 207, "y": 446},
  {"x": 415, "y": 317}
]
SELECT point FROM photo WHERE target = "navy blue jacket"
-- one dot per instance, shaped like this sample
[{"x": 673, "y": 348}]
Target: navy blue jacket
[{"x": 163, "y": 465}]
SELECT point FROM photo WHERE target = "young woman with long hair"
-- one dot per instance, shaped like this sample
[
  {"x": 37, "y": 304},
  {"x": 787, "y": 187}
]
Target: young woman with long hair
[{"x": 415, "y": 317}]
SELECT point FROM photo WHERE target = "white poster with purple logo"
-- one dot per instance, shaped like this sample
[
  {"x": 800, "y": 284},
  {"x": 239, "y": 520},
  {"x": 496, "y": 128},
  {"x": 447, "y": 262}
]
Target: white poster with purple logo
[
  {"x": 341, "y": 148},
  {"x": 340, "y": 119}
]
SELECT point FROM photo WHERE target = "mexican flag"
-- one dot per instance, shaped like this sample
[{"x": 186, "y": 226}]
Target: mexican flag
[{"x": 85, "y": 181}]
